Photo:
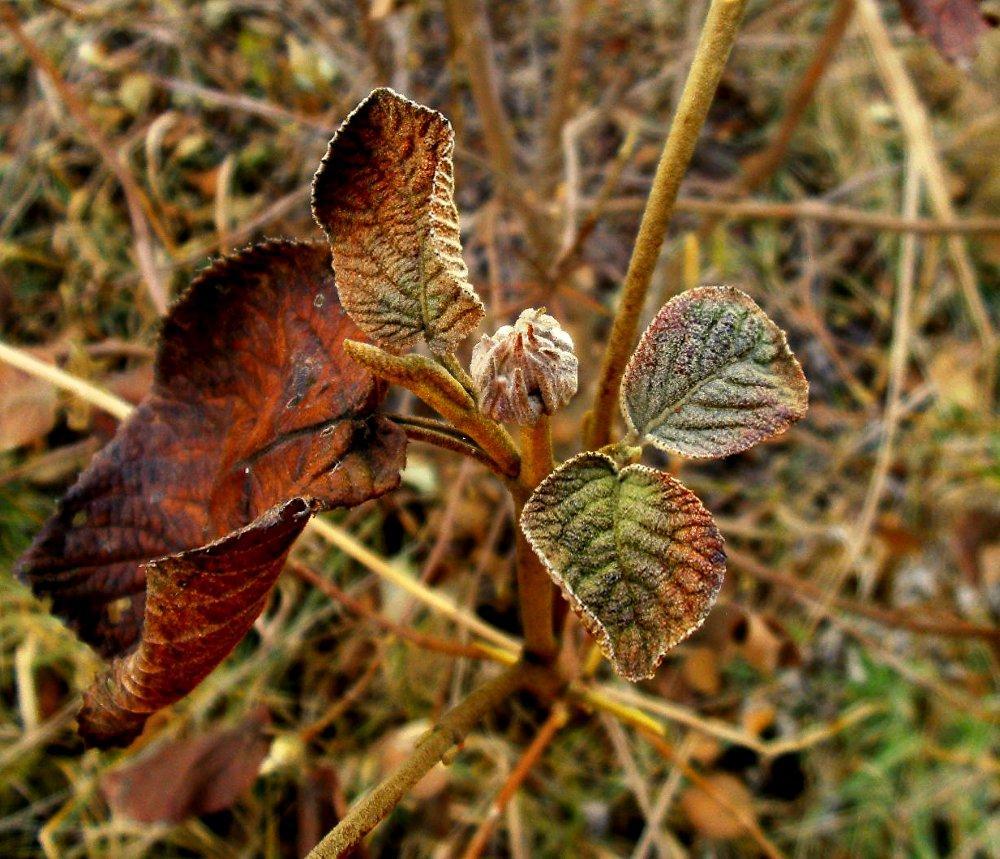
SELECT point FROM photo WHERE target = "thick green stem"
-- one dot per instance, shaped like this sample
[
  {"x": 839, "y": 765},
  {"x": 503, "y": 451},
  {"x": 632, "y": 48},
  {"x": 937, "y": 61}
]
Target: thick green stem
[
  {"x": 717, "y": 37},
  {"x": 432, "y": 746},
  {"x": 535, "y": 588}
]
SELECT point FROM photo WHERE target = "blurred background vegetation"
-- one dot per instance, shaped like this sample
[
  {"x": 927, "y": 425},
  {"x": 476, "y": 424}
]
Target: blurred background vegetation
[{"x": 854, "y": 649}]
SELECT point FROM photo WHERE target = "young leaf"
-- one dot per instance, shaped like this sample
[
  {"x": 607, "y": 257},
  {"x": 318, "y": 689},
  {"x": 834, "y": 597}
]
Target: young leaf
[
  {"x": 384, "y": 195},
  {"x": 637, "y": 555},
  {"x": 711, "y": 376},
  {"x": 254, "y": 404}
]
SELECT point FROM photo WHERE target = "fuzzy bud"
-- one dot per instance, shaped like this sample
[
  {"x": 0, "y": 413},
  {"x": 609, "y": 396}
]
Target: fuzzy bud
[{"x": 525, "y": 370}]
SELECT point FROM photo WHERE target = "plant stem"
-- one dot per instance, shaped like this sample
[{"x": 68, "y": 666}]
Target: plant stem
[
  {"x": 470, "y": 29},
  {"x": 534, "y": 585},
  {"x": 140, "y": 211},
  {"x": 443, "y": 393},
  {"x": 919, "y": 134},
  {"x": 717, "y": 37},
  {"x": 447, "y": 441},
  {"x": 439, "y": 602},
  {"x": 430, "y": 748},
  {"x": 28, "y": 363}
]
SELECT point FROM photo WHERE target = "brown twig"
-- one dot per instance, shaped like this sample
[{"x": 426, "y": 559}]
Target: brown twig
[
  {"x": 758, "y": 168},
  {"x": 546, "y": 734},
  {"x": 448, "y": 441},
  {"x": 474, "y": 45},
  {"x": 558, "y": 103},
  {"x": 815, "y": 210},
  {"x": 949, "y": 628},
  {"x": 427, "y": 642},
  {"x": 920, "y": 139},
  {"x": 450, "y": 730}
]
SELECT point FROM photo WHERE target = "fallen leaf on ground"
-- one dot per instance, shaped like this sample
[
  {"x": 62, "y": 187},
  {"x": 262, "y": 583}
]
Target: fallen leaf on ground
[
  {"x": 195, "y": 775},
  {"x": 953, "y": 26},
  {"x": 712, "y": 817}
]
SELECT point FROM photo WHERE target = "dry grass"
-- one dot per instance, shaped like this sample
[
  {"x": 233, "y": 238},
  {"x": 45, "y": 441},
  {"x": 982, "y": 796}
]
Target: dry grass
[{"x": 864, "y": 579}]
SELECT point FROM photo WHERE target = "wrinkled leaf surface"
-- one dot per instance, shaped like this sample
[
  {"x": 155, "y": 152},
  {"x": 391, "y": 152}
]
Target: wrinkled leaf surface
[
  {"x": 637, "y": 555},
  {"x": 384, "y": 195},
  {"x": 712, "y": 376},
  {"x": 254, "y": 405}
]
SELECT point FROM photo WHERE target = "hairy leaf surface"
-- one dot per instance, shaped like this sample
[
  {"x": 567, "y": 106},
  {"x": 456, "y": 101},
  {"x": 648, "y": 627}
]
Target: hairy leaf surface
[
  {"x": 254, "y": 404},
  {"x": 384, "y": 195},
  {"x": 712, "y": 376},
  {"x": 637, "y": 555}
]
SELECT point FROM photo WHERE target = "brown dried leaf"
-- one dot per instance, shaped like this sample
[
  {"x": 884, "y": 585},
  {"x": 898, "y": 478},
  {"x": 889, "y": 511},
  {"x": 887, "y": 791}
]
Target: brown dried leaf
[
  {"x": 953, "y": 26},
  {"x": 637, "y": 555},
  {"x": 191, "y": 776},
  {"x": 256, "y": 416},
  {"x": 29, "y": 407},
  {"x": 716, "y": 806},
  {"x": 712, "y": 376},
  {"x": 384, "y": 195}
]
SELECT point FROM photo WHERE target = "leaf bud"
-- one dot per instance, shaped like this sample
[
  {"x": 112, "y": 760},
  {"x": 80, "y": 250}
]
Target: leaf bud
[{"x": 525, "y": 370}]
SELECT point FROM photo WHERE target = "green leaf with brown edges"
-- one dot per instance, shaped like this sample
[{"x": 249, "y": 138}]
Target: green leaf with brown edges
[
  {"x": 635, "y": 552},
  {"x": 712, "y": 376},
  {"x": 384, "y": 195}
]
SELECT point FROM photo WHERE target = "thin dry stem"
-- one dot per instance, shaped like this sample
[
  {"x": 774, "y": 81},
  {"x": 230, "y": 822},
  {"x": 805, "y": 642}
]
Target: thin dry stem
[
  {"x": 711, "y": 55},
  {"x": 473, "y": 650},
  {"x": 102, "y": 399},
  {"x": 428, "y": 596},
  {"x": 898, "y": 355},
  {"x": 450, "y": 730},
  {"x": 474, "y": 45},
  {"x": 135, "y": 201},
  {"x": 919, "y": 135},
  {"x": 532, "y": 754}
]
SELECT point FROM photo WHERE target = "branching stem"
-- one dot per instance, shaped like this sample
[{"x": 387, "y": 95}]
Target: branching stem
[
  {"x": 443, "y": 393},
  {"x": 717, "y": 37}
]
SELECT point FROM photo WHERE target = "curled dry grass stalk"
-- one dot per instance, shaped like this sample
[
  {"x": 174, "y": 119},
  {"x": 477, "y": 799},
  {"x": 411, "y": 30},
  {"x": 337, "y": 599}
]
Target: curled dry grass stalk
[{"x": 866, "y": 746}]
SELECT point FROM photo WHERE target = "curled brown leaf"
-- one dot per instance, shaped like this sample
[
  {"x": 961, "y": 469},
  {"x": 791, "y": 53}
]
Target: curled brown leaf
[
  {"x": 256, "y": 417},
  {"x": 384, "y": 195}
]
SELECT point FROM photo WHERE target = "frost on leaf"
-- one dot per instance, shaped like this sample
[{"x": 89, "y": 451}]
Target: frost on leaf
[
  {"x": 637, "y": 555},
  {"x": 712, "y": 376},
  {"x": 163, "y": 552},
  {"x": 384, "y": 195}
]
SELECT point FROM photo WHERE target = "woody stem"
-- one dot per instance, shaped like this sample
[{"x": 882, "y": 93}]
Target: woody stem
[{"x": 535, "y": 588}]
